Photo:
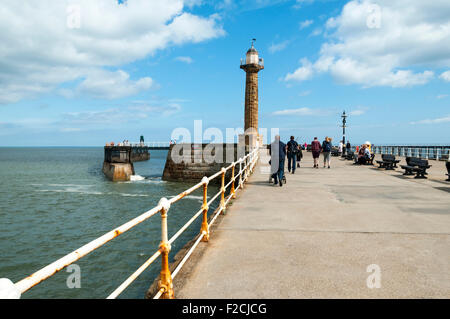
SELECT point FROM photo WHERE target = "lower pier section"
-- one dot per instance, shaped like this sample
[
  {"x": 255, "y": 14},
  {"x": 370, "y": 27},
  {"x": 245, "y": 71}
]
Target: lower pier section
[
  {"x": 118, "y": 172},
  {"x": 191, "y": 162}
]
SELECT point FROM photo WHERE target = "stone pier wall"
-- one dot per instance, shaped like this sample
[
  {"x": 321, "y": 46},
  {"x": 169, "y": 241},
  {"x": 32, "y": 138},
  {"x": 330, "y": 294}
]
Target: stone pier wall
[{"x": 197, "y": 163}]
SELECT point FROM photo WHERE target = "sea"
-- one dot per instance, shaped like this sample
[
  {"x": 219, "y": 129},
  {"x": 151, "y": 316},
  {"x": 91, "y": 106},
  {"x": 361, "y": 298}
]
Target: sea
[{"x": 54, "y": 200}]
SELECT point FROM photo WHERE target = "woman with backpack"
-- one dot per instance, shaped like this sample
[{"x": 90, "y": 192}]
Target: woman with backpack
[
  {"x": 326, "y": 149},
  {"x": 315, "y": 149}
]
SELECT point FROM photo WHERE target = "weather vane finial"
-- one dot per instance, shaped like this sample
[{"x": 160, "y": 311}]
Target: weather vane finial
[{"x": 253, "y": 40}]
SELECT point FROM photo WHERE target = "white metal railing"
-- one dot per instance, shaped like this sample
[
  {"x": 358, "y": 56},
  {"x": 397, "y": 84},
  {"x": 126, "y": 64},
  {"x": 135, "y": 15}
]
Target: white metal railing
[
  {"x": 245, "y": 167},
  {"x": 425, "y": 152}
]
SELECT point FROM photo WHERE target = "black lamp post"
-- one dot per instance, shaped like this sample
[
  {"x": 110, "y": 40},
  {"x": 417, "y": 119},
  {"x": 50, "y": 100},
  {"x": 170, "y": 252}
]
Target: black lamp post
[{"x": 344, "y": 122}]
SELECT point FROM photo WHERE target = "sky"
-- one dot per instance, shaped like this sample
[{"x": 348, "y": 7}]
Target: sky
[{"x": 83, "y": 73}]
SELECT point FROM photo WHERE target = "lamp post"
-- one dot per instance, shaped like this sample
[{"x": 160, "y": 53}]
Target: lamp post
[{"x": 344, "y": 122}]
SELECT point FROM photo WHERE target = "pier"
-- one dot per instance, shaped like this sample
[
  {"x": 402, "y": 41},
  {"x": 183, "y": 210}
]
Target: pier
[
  {"x": 118, "y": 161},
  {"x": 316, "y": 236}
]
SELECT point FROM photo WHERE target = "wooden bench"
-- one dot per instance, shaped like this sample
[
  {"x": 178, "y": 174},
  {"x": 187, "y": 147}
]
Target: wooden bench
[
  {"x": 350, "y": 156},
  {"x": 388, "y": 162},
  {"x": 416, "y": 165},
  {"x": 448, "y": 170}
]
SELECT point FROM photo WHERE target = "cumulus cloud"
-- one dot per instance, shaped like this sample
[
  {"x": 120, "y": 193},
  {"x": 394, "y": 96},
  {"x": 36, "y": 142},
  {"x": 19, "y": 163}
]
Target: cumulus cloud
[
  {"x": 305, "y": 111},
  {"x": 275, "y": 47},
  {"x": 43, "y": 46},
  {"x": 359, "y": 111},
  {"x": 445, "y": 119},
  {"x": 303, "y": 73},
  {"x": 393, "y": 43},
  {"x": 445, "y": 76},
  {"x": 185, "y": 59},
  {"x": 305, "y": 24}
]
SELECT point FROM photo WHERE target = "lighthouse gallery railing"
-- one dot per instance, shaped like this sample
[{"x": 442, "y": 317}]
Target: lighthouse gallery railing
[{"x": 245, "y": 166}]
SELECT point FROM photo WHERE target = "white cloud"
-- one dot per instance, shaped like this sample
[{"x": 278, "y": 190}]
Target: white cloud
[
  {"x": 441, "y": 96},
  {"x": 305, "y": 24},
  {"x": 275, "y": 47},
  {"x": 445, "y": 76},
  {"x": 40, "y": 51},
  {"x": 301, "y": 74},
  {"x": 185, "y": 59},
  {"x": 112, "y": 85},
  {"x": 302, "y": 111},
  {"x": 410, "y": 39},
  {"x": 299, "y": 3},
  {"x": 445, "y": 119},
  {"x": 359, "y": 111}
]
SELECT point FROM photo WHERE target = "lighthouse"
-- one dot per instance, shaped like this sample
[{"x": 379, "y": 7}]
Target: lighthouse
[{"x": 253, "y": 64}]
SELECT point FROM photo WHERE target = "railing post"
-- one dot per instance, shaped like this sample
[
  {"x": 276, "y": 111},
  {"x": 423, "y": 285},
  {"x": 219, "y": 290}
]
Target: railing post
[
  {"x": 205, "y": 228},
  {"x": 240, "y": 172},
  {"x": 165, "y": 282},
  {"x": 233, "y": 191},
  {"x": 222, "y": 189}
]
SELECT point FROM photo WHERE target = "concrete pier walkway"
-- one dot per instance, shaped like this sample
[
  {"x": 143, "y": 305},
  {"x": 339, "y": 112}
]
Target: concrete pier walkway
[{"x": 315, "y": 237}]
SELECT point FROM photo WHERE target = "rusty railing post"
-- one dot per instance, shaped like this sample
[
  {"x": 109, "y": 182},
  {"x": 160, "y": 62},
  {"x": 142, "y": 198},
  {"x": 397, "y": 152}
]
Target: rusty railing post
[
  {"x": 233, "y": 191},
  {"x": 222, "y": 189},
  {"x": 165, "y": 282},
  {"x": 240, "y": 173},
  {"x": 205, "y": 228}
]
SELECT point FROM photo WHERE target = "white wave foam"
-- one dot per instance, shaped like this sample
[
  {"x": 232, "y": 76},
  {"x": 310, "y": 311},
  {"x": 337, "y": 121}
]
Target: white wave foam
[{"x": 135, "y": 178}]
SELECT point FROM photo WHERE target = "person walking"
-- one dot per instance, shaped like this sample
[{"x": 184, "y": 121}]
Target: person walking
[
  {"x": 316, "y": 148},
  {"x": 348, "y": 148},
  {"x": 299, "y": 156},
  {"x": 292, "y": 150},
  {"x": 340, "y": 148},
  {"x": 277, "y": 159},
  {"x": 326, "y": 151}
]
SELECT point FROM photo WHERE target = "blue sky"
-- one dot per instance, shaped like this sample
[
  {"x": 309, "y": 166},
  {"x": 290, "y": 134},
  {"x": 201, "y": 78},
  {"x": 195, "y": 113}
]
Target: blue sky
[{"x": 148, "y": 67}]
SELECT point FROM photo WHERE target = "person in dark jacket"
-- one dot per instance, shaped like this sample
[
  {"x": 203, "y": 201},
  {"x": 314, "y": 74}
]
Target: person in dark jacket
[
  {"x": 292, "y": 150},
  {"x": 278, "y": 156},
  {"x": 316, "y": 148},
  {"x": 348, "y": 148},
  {"x": 326, "y": 149}
]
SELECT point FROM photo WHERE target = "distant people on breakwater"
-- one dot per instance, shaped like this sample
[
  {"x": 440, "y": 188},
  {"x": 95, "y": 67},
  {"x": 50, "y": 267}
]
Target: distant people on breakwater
[
  {"x": 292, "y": 151},
  {"x": 316, "y": 148},
  {"x": 124, "y": 143},
  {"x": 326, "y": 151}
]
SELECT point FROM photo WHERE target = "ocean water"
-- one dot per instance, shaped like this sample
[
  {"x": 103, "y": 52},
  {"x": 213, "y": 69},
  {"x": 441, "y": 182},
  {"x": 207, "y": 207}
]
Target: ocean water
[{"x": 54, "y": 200}]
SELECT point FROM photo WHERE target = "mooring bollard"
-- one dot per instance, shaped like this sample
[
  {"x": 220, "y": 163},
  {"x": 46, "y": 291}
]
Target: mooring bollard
[
  {"x": 165, "y": 282},
  {"x": 205, "y": 228}
]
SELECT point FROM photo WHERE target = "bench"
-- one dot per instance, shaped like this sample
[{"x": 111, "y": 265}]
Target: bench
[
  {"x": 448, "y": 170},
  {"x": 416, "y": 165},
  {"x": 334, "y": 151},
  {"x": 367, "y": 161},
  {"x": 350, "y": 156},
  {"x": 388, "y": 162},
  {"x": 370, "y": 160}
]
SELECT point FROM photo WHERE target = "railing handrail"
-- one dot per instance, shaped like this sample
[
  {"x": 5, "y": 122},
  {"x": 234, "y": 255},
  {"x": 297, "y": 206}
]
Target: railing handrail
[{"x": 246, "y": 166}]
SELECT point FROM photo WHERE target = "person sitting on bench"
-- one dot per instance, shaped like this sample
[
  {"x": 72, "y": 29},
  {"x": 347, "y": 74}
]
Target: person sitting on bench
[{"x": 362, "y": 155}]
